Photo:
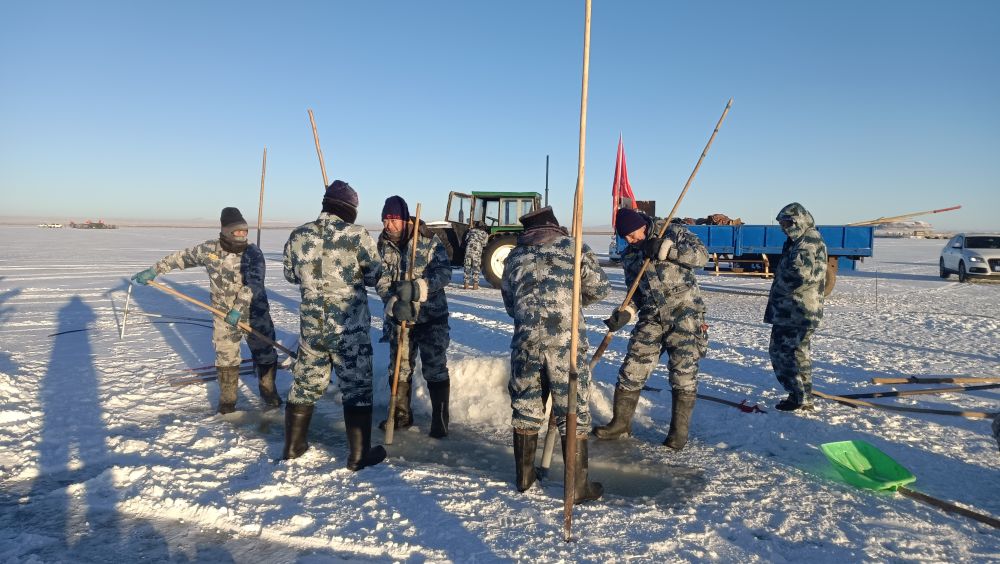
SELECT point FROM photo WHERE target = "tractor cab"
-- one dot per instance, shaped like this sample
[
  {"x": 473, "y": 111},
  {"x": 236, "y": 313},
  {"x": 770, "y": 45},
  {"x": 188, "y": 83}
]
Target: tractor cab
[{"x": 498, "y": 213}]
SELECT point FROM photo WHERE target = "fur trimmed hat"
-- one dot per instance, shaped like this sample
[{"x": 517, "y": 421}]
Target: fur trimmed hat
[{"x": 539, "y": 217}]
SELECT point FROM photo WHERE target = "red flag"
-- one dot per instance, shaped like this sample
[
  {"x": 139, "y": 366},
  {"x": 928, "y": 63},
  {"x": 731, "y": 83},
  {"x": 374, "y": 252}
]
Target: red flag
[{"x": 620, "y": 188}]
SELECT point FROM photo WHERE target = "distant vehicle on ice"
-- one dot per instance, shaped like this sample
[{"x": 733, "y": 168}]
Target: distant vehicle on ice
[
  {"x": 971, "y": 255},
  {"x": 99, "y": 224},
  {"x": 51, "y": 225}
]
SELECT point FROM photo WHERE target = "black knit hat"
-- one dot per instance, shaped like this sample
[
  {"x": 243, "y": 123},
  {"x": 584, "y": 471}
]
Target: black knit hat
[
  {"x": 395, "y": 208},
  {"x": 627, "y": 221},
  {"x": 231, "y": 216},
  {"x": 539, "y": 217},
  {"x": 342, "y": 191}
]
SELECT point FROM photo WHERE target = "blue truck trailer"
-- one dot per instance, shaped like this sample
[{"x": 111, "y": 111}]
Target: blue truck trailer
[{"x": 755, "y": 249}]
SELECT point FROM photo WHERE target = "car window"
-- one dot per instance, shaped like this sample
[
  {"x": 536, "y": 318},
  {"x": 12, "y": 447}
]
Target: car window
[
  {"x": 983, "y": 242},
  {"x": 957, "y": 242}
]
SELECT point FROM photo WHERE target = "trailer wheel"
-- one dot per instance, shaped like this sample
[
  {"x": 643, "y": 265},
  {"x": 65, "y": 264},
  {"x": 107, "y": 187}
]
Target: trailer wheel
[
  {"x": 494, "y": 255},
  {"x": 832, "y": 265}
]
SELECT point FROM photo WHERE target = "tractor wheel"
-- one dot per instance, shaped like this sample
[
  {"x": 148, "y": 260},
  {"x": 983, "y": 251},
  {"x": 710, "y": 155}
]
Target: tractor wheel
[{"x": 494, "y": 254}]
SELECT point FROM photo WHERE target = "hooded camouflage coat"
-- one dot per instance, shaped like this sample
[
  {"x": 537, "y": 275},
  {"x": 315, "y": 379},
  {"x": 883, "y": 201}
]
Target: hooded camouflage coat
[{"x": 796, "y": 297}]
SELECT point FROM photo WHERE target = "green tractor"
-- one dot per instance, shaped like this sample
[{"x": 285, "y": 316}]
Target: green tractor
[{"x": 498, "y": 213}]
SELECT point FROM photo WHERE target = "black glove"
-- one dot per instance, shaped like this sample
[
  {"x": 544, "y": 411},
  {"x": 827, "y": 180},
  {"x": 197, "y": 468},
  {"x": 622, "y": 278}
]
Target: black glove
[
  {"x": 404, "y": 311},
  {"x": 618, "y": 319},
  {"x": 407, "y": 291},
  {"x": 656, "y": 248}
]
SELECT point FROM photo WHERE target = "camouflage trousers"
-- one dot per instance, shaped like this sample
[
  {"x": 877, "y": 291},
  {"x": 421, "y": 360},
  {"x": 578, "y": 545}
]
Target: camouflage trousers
[
  {"x": 679, "y": 333},
  {"x": 539, "y": 373},
  {"x": 430, "y": 340},
  {"x": 350, "y": 357},
  {"x": 473, "y": 263},
  {"x": 790, "y": 358},
  {"x": 226, "y": 339},
  {"x": 996, "y": 429}
]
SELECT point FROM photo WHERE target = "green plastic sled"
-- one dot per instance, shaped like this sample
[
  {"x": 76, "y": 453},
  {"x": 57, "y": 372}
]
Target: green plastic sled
[{"x": 864, "y": 466}]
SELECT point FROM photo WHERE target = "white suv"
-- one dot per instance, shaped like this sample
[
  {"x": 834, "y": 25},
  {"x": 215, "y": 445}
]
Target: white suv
[{"x": 971, "y": 254}]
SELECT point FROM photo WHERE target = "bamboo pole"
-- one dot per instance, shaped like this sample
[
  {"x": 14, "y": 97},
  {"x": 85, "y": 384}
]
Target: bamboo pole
[
  {"x": 242, "y": 325},
  {"x": 663, "y": 230},
  {"x": 862, "y": 403},
  {"x": 319, "y": 152},
  {"x": 923, "y": 391},
  {"x": 955, "y": 380},
  {"x": 899, "y": 217},
  {"x": 950, "y": 507},
  {"x": 260, "y": 205},
  {"x": 390, "y": 422},
  {"x": 569, "y": 485}
]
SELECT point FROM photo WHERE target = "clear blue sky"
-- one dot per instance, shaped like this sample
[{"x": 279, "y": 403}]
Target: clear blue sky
[{"x": 160, "y": 110}]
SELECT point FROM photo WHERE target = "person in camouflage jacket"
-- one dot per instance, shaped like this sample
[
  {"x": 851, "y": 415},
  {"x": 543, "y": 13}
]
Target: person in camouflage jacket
[
  {"x": 671, "y": 319},
  {"x": 422, "y": 303},
  {"x": 475, "y": 240},
  {"x": 537, "y": 290},
  {"x": 795, "y": 305},
  {"x": 332, "y": 260},
  {"x": 236, "y": 284}
]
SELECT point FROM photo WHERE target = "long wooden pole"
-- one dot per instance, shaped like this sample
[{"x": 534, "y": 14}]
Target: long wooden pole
[
  {"x": 922, "y": 391},
  {"x": 950, "y": 507},
  {"x": 663, "y": 230},
  {"x": 899, "y": 217},
  {"x": 569, "y": 484},
  {"x": 260, "y": 204},
  {"x": 242, "y": 325},
  {"x": 943, "y": 380},
  {"x": 862, "y": 403},
  {"x": 319, "y": 152},
  {"x": 390, "y": 422}
]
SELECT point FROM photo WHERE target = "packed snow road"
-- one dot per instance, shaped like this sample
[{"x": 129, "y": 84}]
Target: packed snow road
[{"x": 101, "y": 459}]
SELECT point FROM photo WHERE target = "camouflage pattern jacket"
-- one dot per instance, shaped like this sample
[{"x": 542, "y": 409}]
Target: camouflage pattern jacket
[
  {"x": 224, "y": 275},
  {"x": 432, "y": 266},
  {"x": 671, "y": 282},
  {"x": 332, "y": 261},
  {"x": 475, "y": 240},
  {"x": 537, "y": 289},
  {"x": 796, "y": 297}
]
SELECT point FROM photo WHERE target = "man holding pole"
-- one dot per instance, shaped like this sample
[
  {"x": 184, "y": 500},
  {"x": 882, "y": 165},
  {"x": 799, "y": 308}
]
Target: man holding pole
[
  {"x": 420, "y": 302},
  {"x": 332, "y": 260},
  {"x": 671, "y": 319},
  {"x": 236, "y": 282},
  {"x": 795, "y": 305},
  {"x": 537, "y": 292}
]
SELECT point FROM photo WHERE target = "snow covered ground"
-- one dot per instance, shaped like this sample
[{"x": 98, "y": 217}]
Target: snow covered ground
[{"x": 102, "y": 460}]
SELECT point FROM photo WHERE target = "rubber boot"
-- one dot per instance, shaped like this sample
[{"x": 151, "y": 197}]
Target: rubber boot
[
  {"x": 358, "y": 421},
  {"x": 475, "y": 284},
  {"x": 403, "y": 414},
  {"x": 229, "y": 377},
  {"x": 265, "y": 384},
  {"x": 439, "y": 392},
  {"x": 465, "y": 286},
  {"x": 297, "y": 417},
  {"x": 621, "y": 419},
  {"x": 682, "y": 404},
  {"x": 585, "y": 489},
  {"x": 525, "y": 445}
]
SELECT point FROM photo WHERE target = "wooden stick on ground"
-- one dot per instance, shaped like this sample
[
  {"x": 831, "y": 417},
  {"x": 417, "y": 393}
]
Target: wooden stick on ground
[
  {"x": 922, "y": 391},
  {"x": 942, "y": 380},
  {"x": 861, "y": 403},
  {"x": 950, "y": 507}
]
